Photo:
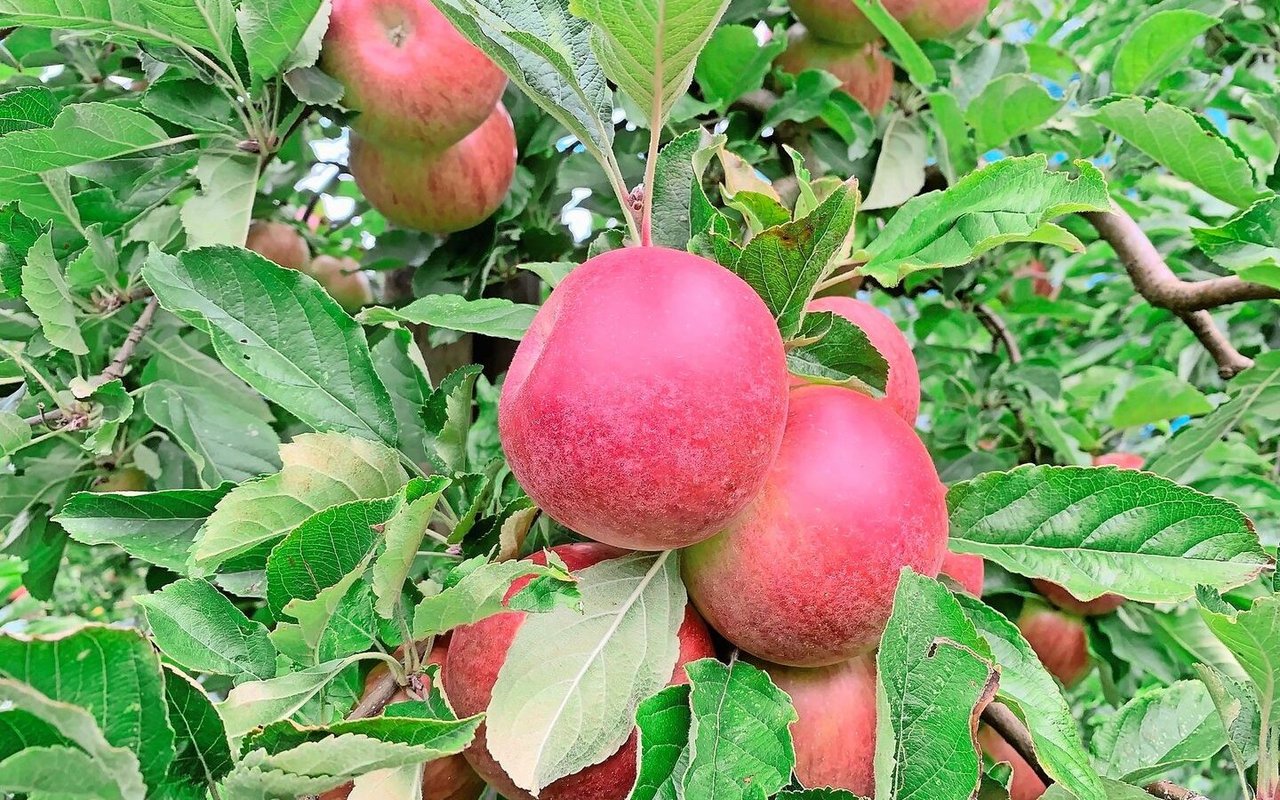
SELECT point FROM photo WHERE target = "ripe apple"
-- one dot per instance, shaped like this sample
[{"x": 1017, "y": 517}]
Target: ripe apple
[
  {"x": 476, "y": 654},
  {"x": 415, "y": 80},
  {"x": 1041, "y": 285},
  {"x": 1066, "y": 601},
  {"x": 343, "y": 280},
  {"x": 647, "y": 400},
  {"x": 966, "y": 569},
  {"x": 835, "y": 737},
  {"x": 1058, "y": 639},
  {"x": 806, "y": 576},
  {"x": 841, "y": 22},
  {"x": 439, "y": 192},
  {"x": 448, "y": 778},
  {"x": 279, "y": 242},
  {"x": 864, "y": 72},
  {"x": 124, "y": 479},
  {"x": 942, "y": 19},
  {"x": 1026, "y": 784},
  {"x": 1119, "y": 459},
  {"x": 903, "y": 391}
]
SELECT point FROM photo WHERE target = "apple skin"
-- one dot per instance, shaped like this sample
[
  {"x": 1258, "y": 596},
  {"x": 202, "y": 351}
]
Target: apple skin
[
  {"x": 415, "y": 80},
  {"x": 1066, "y": 601},
  {"x": 1119, "y": 459},
  {"x": 966, "y": 569},
  {"x": 841, "y": 21},
  {"x": 902, "y": 394},
  {"x": 646, "y": 402},
  {"x": 343, "y": 280},
  {"x": 864, "y": 72},
  {"x": 439, "y": 192},
  {"x": 835, "y": 737},
  {"x": 943, "y": 19},
  {"x": 1059, "y": 640},
  {"x": 476, "y": 654},
  {"x": 125, "y": 479},
  {"x": 279, "y": 242},
  {"x": 806, "y": 576},
  {"x": 1026, "y": 784}
]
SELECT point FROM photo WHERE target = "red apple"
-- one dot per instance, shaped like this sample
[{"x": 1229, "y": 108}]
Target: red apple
[
  {"x": 1122, "y": 460},
  {"x": 942, "y": 19},
  {"x": 343, "y": 280},
  {"x": 278, "y": 242},
  {"x": 966, "y": 569},
  {"x": 841, "y": 22},
  {"x": 864, "y": 72},
  {"x": 1026, "y": 784},
  {"x": 1059, "y": 640},
  {"x": 1066, "y": 601},
  {"x": 444, "y": 192},
  {"x": 478, "y": 652},
  {"x": 647, "y": 400},
  {"x": 806, "y": 576},
  {"x": 414, "y": 79},
  {"x": 903, "y": 391},
  {"x": 1041, "y": 285},
  {"x": 835, "y": 737}
]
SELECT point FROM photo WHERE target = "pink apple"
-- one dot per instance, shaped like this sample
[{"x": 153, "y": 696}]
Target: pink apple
[
  {"x": 343, "y": 280},
  {"x": 864, "y": 72},
  {"x": 1066, "y": 601},
  {"x": 279, "y": 242},
  {"x": 966, "y": 569},
  {"x": 1059, "y": 641},
  {"x": 903, "y": 392}
]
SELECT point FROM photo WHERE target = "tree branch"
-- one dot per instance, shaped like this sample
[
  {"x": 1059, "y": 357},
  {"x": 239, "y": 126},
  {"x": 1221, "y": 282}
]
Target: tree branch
[
  {"x": 115, "y": 370},
  {"x": 999, "y": 331},
  {"x": 1190, "y": 300},
  {"x": 1171, "y": 791}
]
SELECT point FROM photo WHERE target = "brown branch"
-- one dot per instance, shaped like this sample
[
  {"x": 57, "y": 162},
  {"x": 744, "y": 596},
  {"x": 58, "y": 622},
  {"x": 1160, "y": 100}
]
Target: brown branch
[
  {"x": 1000, "y": 332},
  {"x": 376, "y": 697},
  {"x": 1190, "y": 300},
  {"x": 1171, "y": 791},
  {"x": 115, "y": 370}
]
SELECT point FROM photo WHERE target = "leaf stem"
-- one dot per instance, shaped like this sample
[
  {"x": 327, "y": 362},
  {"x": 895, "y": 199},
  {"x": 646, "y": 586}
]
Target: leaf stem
[{"x": 650, "y": 175}]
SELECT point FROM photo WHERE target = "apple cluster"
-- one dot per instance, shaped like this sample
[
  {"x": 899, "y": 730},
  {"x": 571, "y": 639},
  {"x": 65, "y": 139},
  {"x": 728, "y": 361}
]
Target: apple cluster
[
  {"x": 432, "y": 147},
  {"x": 340, "y": 277},
  {"x": 836, "y": 37}
]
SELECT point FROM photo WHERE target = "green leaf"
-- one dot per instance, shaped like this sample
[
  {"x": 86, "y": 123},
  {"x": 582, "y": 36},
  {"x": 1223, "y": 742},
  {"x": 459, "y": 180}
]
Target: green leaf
[
  {"x": 74, "y": 724},
  {"x": 733, "y": 63},
  {"x": 340, "y": 620},
  {"x": 680, "y": 165},
  {"x": 40, "y": 545},
  {"x": 112, "y": 672},
  {"x": 739, "y": 741},
  {"x": 900, "y": 168},
  {"x": 649, "y": 50},
  {"x": 272, "y": 30},
  {"x": 933, "y": 675},
  {"x": 220, "y": 213},
  {"x": 320, "y": 470},
  {"x": 260, "y": 703},
  {"x": 1099, "y": 530},
  {"x": 17, "y": 236},
  {"x": 203, "y": 753},
  {"x": 1008, "y": 107},
  {"x": 1026, "y": 684},
  {"x": 1185, "y": 143},
  {"x": 784, "y": 264},
  {"x": 1154, "y": 45},
  {"x": 408, "y": 723},
  {"x": 1247, "y": 243},
  {"x": 203, "y": 23},
  {"x": 1253, "y": 636},
  {"x": 224, "y": 442},
  {"x": 489, "y": 316},
  {"x": 663, "y": 721},
  {"x": 447, "y": 416},
  {"x": 45, "y": 289},
  {"x": 572, "y": 680},
  {"x": 27, "y": 107},
  {"x": 1238, "y": 707},
  {"x": 190, "y": 103},
  {"x": 1161, "y": 396},
  {"x": 399, "y": 365},
  {"x": 837, "y": 352},
  {"x": 547, "y": 53},
  {"x": 15, "y": 433},
  {"x": 552, "y": 272},
  {"x": 473, "y": 591},
  {"x": 1256, "y": 390},
  {"x": 1158, "y": 731},
  {"x": 46, "y": 773},
  {"x": 1011, "y": 200},
  {"x": 403, "y": 536},
  {"x": 279, "y": 331},
  {"x": 197, "y": 627}
]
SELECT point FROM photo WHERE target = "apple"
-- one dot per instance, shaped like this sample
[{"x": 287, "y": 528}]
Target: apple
[
  {"x": 1058, "y": 639},
  {"x": 343, "y": 280},
  {"x": 647, "y": 400},
  {"x": 835, "y": 737},
  {"x": 279, "y": 242},
  {"x": 841, "y": 22},
  {"x": 806, "y": 576},
  {"x": 1119, "y": 459},
  {"x": 942, "y": 19},
  {"x": 124, "y": 479},
  {"x": 448, "y": 778},
  {"x": 864, "y": 72},
  {"x": 966, "y": 569},
  {"x": 1026, "y": 784},
  {"x": 902, "y": 394},
  {"x": 415, "y": 80},
  {"x": 1041, "y": 284},
  {"x": 476, "y": 654},
  {"x": 1066, "y": 601},
  {"x": 439, "y": 192}
]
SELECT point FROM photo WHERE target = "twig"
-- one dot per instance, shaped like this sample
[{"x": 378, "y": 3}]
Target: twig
[
  {"x": 1171, "y": 791},
  {"x": 1190, "y": 300},
  {"x": 1011, "y": 729},
  {"x": 1000, "y": 332},
  {"x": 115, "y": 370},
  {"x": 376, "y": 697}
]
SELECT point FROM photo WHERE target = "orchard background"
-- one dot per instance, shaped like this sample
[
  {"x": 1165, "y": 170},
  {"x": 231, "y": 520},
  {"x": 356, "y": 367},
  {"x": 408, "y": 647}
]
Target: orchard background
[{"x": 236, "y": 484}]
